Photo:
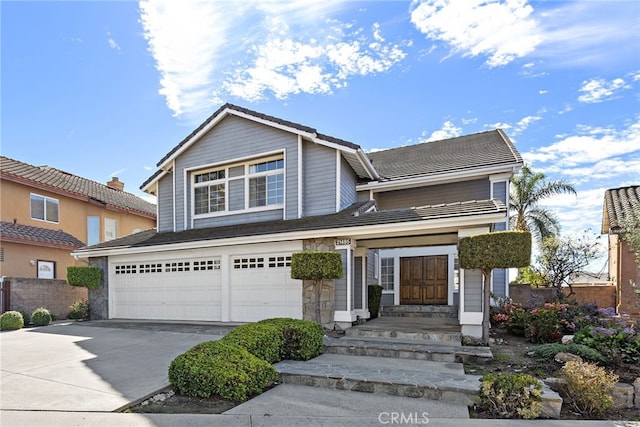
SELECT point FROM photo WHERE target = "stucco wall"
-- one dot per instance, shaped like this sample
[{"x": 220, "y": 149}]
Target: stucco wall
[
  {"x": 55, "y": 295},
  {"x": 602, "y": 295}
]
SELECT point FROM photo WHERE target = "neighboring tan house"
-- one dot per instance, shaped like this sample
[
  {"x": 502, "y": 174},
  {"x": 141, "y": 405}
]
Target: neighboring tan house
[
  {"x": 47, "y": 213},
  {"x": 620, "y": 205},
  {"x": 245, "y": 190}
]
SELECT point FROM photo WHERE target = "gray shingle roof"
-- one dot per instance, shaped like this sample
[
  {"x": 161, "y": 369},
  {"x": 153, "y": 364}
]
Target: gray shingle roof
[
  {"x": 55, "y": 179},
  {"x": 353, "y": 216},
  {"x": 484, "y": 149},
  {"x": 620, "y": 204},
  {"x": 20, "y": 233}
]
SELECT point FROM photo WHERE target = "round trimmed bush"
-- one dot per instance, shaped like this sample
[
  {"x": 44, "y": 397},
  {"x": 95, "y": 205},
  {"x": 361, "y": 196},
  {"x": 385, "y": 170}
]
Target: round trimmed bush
[
  {"x": 220, "y": 368},
  {"x": 11, "y": 321},
  {"x": 263, "y": 340},
  {"x": 302, "y": 338},
  {"x": 40, "y": 317}
]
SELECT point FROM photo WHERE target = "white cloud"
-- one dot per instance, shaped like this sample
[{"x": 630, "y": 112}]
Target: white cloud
[
  {"x": 448, "y": 130},
  {"x": 112, "y": 43},
  {"x": 502, "y": 31},
  {"x": 209, "y": 51},
  {"x": 598, "y": 90}
]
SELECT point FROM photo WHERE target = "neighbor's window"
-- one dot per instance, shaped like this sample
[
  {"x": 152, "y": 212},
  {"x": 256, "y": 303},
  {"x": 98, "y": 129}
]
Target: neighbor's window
[
  {"x": 44, "y": 208},
  {"x": 266, "y": 183},
  {"x": 209, "y": 192},
  {"x": 93, "y": 230},
  {"x": 110, "y": 229},
  {"x": 386, "y": 274}
]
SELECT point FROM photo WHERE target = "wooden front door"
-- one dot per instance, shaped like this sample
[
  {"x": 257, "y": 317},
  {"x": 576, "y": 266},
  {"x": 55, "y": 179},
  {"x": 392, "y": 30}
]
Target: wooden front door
[{"x": 423, "y": 280}]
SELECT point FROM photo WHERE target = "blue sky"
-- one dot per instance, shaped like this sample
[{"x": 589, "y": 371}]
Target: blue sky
[{"x": 104, "y": 89}]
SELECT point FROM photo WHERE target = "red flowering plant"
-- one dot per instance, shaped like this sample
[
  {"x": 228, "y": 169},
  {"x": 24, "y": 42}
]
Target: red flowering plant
[
  {"x": 549, "y": 323},
  {"x": 510, "y": 316}
]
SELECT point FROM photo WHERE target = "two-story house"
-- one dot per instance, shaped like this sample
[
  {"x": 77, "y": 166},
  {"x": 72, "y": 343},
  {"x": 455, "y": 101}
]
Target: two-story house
[
  {"x": 245, "y": 190},
  {"x": 47, "y": 213}
]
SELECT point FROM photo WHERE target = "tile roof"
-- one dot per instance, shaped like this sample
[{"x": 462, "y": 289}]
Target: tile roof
[
  {"x": 55, "y": 179},
  {"x": 620, "y": 204},
  {"x": 484, "y": 149},
  {"x": 19, "y": 233},
  {"x": 354, "y": 216}
]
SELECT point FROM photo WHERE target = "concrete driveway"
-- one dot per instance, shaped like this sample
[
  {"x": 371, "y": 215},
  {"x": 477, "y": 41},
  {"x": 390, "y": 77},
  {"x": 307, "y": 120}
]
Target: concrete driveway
[{"x": 92, "y": 366}]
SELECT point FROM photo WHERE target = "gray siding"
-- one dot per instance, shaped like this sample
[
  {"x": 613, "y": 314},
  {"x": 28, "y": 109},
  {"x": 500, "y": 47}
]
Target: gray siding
[
  {"x": 371, "y": 279},
  {"x": 341, "y": 284},
  {"x": 236, "y": 194},
  {"x": 234, "y": 138},
  {"x": 348, "y": 180},
  {"x": 473, "y": 290},
  {"x": 319, "y": 180},
  {"x": 386, "y": 300},
  {"x": 165, "y": 203},
  {"x": 434, "y": 195},
  {"x": 218, "y": 221},
  {"x": 357, "y": 283}
]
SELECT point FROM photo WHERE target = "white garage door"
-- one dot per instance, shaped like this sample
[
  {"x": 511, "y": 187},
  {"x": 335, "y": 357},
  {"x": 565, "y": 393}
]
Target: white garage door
[
  {"x": 166, "y": 290},
  {"x": 261, "y": 288}
]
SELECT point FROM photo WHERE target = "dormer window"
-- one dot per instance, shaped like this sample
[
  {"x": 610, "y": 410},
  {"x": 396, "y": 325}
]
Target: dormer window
[
  {"x": 266, "y": 183},
  {"x": 209, "y": 192}
]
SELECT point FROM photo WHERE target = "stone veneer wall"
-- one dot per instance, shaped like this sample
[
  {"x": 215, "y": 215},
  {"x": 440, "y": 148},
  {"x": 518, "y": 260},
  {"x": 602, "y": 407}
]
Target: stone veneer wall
[
  {"x": 328, "y": 296},
  {"x": 99, "y": 297},
  {"x": 29, "y": 293}
]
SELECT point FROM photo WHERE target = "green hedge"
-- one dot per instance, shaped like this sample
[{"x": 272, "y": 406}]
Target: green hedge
[
  {"x": 86, "y": 276},
  {"x": 374, "y": 296},
  {"x": 260, "y": 339},
  {"x": 502, "y": 249},
  {"x": 302, "y": 338},
  {"x": 220, "y": 368},
  {"x": 11, "y": 321},
  {"x": 40, "y": 317},
  {"x": 316, "y": 265}
]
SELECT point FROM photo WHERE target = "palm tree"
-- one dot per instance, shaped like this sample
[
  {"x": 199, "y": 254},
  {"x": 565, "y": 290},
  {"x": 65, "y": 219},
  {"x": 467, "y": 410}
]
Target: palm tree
[{"x": 527, "y": 190}]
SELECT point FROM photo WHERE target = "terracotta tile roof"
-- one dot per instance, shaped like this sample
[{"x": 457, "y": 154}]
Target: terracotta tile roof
[
  {"x": 57, "y": 180},
  {"x": 620, "y": 204},
  {"x": 354, "y": 216},
  {"x": 19, "y": 233},
  {"x": 484, "y": 149}
]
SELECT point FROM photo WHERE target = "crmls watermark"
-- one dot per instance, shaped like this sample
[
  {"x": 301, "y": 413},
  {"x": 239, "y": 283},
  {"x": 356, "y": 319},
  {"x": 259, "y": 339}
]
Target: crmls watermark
[{"x": 412, "y": 418}]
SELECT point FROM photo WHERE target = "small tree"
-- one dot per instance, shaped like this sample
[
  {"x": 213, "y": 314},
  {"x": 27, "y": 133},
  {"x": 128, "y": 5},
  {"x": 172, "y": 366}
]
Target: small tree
[
  {"x": 562, "y": 259},
  {"x": 316, "y": 266},
  {"x": 503, "y": 249}
]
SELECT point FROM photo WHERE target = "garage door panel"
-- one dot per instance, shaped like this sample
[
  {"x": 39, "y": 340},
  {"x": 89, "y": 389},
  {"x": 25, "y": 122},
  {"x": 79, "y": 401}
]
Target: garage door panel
[{"x": 170, "y": 292}]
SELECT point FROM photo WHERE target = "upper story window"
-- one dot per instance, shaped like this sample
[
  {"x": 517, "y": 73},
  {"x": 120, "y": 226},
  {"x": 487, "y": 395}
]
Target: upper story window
[
  {"x": 266, "y": 183},
  {"x": 44, "y": 208},
  {"x": 209, "y": 191}
]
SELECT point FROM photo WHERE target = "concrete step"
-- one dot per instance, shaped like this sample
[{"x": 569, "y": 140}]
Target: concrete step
[
  {"x": 396, "y": 377},
  {"x": 406, "y": 349},
  {"x": 430, "y": 330},
  {"x": 434, "y": 311}
]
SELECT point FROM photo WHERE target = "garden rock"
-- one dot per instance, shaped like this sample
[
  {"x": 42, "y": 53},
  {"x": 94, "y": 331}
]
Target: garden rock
[
  {"x": 636, "y": 387},
  {"x": 567, "y": 339},
  {"x": 566, "y": 357},
  {"x": 623, "y": 395}
]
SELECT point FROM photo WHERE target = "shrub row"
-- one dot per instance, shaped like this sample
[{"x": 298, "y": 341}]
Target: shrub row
[
  {"x": 13, "y": 320},
  {"x": 239, "y": 365}
]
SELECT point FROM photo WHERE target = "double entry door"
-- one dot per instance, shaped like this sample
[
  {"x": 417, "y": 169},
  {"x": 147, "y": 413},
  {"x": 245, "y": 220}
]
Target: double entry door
[{"x": 424, "y": 279}]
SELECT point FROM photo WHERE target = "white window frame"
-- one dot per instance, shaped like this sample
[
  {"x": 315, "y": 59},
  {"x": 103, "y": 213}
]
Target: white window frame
[
  {"x": 249, "y": 176},
  {"x": 246, "y": 162},
  {"x": 45, "y": 199},
  {"x": 194, "y": 185}
]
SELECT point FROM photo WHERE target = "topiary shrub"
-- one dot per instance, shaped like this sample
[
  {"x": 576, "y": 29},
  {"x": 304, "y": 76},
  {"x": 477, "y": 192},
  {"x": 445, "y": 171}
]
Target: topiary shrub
[
  {"x": 548, "y": 351},
  {"x": 511, "y": 395},
  {"x": 79, "y": 310},
  {"x": 11, "y": 321},
  {"x": 85, "y": 276},
  {"x": 302, "y": 338},
  {"x": 589, "y": 387},
  {"x": 262, "y": 340},
  {"x": 220, "y": 368},
  {"x": 40, "y": 317},
  {"x": 317, "y": 266},
  {"x": 374, "y": 295}
]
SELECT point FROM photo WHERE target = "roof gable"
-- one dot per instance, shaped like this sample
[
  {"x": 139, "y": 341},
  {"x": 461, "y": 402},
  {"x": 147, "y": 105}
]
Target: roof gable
[
  {"x": 620, "y": 204},
  {"x": 484, "y": 149},
  {"x": 58, "y": 181}
]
